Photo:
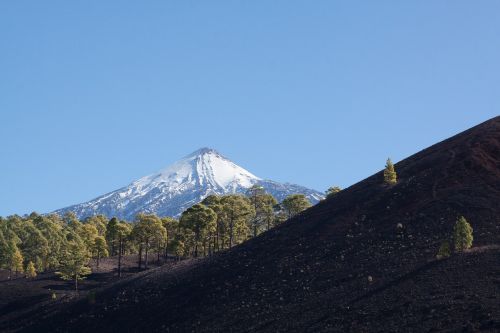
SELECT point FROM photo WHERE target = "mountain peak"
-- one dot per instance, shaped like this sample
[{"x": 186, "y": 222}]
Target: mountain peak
[
  {"x": 204, "y": 151},
  {"x": 184, "y": 183}
]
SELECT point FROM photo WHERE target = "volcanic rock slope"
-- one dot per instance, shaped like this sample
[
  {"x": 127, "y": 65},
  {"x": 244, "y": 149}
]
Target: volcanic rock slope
[
  {"x": 313, "y": 273},
  {"x": 185, "y": 183}
]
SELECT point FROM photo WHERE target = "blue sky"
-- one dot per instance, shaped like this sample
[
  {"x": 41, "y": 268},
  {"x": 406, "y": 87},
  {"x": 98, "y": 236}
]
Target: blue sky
[{"x": 94, "y": 94}]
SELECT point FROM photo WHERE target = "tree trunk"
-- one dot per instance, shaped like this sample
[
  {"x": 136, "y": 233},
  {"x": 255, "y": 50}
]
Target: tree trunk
[
  {"x": 231, "y": 235},
  {"x": 216, "y": 239},
  {"x": 140, "y": 256},
  {"x": 158, "y": 247},
  {"x": 256, "y": 219},
  {"x": 222, "y": 239},
  {"x": 98, "y": 257},
  {"x": 231, "y": 228},
  {"x": 76, "y": 282},
  {"x": 120, "y": 258},
  {"x": 146, "y": 259},
  {"x": 166, "y": 248}
]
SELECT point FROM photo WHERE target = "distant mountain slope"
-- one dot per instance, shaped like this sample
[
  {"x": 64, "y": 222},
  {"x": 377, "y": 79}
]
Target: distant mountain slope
[
  {"x": 362, "y": 261},
  {"x": 181, "y": 185}
]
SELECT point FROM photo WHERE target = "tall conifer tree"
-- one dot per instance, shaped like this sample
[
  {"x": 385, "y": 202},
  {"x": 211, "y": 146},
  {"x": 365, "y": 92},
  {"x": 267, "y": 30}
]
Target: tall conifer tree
[
  {"x": 462, "y": 235},
  {"x": 390, "y": 176}
]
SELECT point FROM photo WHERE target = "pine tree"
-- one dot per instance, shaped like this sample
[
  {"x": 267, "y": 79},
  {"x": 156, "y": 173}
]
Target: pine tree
[
  {"x": 34, "y": 246},
  {"x": 221, "y": 233},
  {"x": 462, "y": 235},
  {"x": 263, "y": 204},
  {"x": 159, "y": 239},
  {"x": 294, "y": 204},
  {"x": 146, "y": 231},
  {"x": 99, "y": 249},
  {"x": 332, "y": 191},
  {"x": 122, "y": 233},
  {"x": 72, "y": 221},
  {"x": 51, "y": 228},
  {"x": 88, "y": 233},
  {"x": 201, "y": 220},
  {"x": 30, "y": 270},
  {"x": 171, "y": 226},
  {"x": 390, "y": 176},
  {"x": 100, "y": 222},
  {"x": 178, "y": 248},
  {"x": 237, "y": 211},
  {"x": 444, "y": 250},
  {"x": 74, "y": 264},
  {"x": 267, "y": 210},
  {"x": 111, "y": 234},
  {"x": 4, "y": 250},
  {"x": 16, "y": 259},
  {"x": 256, "y": 194}
]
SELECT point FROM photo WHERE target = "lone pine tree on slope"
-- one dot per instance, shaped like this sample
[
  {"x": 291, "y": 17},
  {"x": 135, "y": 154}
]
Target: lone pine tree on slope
[
  {"x": 462, "y": 235},
  {"x": 390, "y": 176},
  {"x": 332, "y": 191}
]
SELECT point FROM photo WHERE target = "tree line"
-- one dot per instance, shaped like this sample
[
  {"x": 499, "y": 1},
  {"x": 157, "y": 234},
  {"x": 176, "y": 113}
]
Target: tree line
[{"x": 66, "y": 245}]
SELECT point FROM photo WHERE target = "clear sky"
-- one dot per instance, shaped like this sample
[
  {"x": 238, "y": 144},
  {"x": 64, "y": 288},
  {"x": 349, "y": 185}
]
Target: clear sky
[{"x": 95, "y": 94}]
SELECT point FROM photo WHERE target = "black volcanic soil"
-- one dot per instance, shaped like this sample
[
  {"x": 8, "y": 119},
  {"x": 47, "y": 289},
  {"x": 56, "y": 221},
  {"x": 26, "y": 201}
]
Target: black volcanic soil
[
  {"x": 313, "y": 273},
  {"x": 20, "y": 296}
]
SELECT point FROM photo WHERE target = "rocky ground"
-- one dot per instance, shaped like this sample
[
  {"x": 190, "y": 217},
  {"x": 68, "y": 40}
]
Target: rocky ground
[
  {"x": 362, "y": 261},
  {"x": 21, "y": 297}
]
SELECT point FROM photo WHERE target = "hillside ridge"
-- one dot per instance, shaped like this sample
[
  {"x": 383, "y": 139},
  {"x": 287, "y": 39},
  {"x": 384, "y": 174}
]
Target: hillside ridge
[{"x": 361, "y": 261}]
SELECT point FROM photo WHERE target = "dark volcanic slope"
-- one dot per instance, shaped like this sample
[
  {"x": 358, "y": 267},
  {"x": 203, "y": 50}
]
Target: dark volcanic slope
[{"x": 311, "y": 274}]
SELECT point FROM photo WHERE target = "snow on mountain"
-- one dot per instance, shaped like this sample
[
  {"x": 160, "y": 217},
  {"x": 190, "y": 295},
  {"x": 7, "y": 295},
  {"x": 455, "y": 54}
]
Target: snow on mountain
[{"x": 181, "y": 185}]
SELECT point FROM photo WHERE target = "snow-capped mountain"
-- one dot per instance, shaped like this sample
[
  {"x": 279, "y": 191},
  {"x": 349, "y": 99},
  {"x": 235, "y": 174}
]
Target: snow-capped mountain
[{"x": 181, "y": 185}]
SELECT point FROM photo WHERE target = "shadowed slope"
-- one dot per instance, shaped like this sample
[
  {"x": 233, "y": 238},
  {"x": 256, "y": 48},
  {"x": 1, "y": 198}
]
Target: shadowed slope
[{"x": 311, "y": 274}]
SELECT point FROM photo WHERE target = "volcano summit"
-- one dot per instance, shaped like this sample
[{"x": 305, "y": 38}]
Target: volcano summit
[{"x": 181, "y": 185}]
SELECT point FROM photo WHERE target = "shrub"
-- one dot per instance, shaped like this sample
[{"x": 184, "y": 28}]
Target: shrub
[
  {"x": 444, "y": 250},
  {"x": 30, "y": 270}
]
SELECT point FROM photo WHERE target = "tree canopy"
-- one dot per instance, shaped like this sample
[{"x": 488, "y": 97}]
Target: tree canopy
[
  {"x": 332, "y": 191},
  {"x": 294, "y": 204},
  {"x": 37, "y": 243}
]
